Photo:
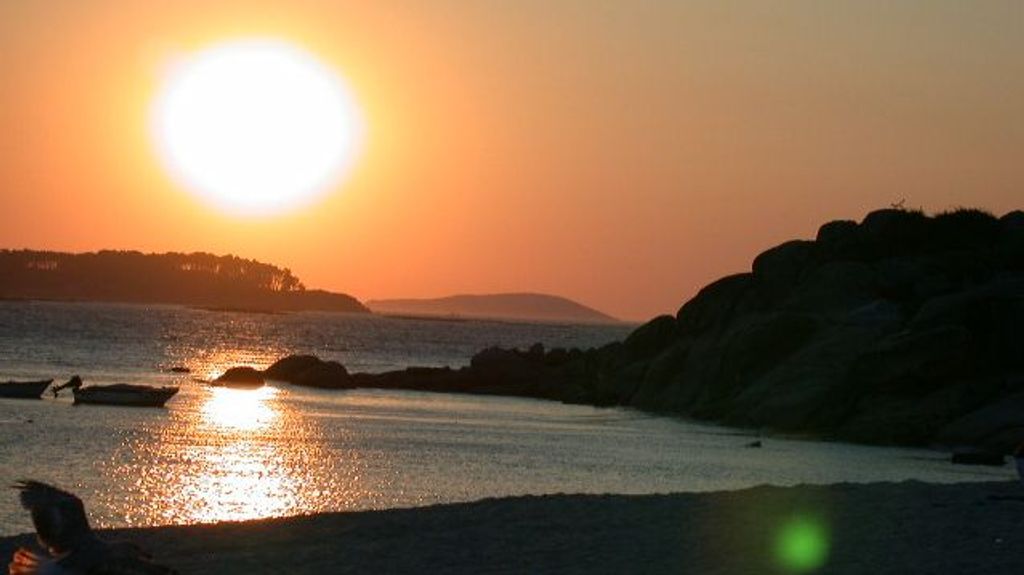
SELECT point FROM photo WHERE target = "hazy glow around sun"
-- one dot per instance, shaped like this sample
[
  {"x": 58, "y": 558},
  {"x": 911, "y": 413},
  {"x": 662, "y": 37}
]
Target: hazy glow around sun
[{"x": 256, "y": 127}]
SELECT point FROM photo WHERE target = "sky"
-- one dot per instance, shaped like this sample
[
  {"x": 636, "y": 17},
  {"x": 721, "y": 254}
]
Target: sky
[{"x": 623, "y": 154}]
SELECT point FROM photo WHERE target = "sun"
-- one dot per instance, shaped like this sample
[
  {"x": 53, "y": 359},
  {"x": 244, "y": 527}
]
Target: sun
[{"x": 256, "y": 127}]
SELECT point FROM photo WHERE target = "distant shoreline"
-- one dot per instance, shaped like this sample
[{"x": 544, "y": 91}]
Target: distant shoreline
[
  {"x": 196, "y": 279},
  {"x": 907, "y": 527},
  {"x": 505, "y": 320},
  {"x": 517, "y": 307}
]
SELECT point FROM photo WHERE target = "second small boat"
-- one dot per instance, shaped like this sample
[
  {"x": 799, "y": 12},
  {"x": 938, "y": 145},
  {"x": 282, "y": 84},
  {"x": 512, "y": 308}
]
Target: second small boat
[
  {"x": 24, "y": 389},
  {"x": 118, "y": 394}
]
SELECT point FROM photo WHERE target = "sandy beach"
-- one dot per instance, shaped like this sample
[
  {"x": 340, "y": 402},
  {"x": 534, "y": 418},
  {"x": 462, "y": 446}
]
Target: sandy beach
[{"x": 908, "y": 527}]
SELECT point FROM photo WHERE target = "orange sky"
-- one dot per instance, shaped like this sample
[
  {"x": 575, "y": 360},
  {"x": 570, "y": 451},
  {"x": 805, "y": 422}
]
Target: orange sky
[{"x": 620, "y": 153}]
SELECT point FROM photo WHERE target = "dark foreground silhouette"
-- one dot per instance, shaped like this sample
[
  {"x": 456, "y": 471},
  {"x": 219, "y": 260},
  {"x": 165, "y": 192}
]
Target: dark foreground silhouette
[
  {"x": 902, "y": 329},
  {"x": 70, "y": 546},
  {"x": 198, "y": 279},
  {"x": 881, "y": 528}
]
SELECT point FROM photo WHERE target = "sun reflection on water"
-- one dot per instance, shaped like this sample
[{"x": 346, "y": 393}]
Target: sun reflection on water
[
  {"x": 241, "y": 409},
  {"x": 232, "y": 455},
  {"x": 239, "y": 471}
]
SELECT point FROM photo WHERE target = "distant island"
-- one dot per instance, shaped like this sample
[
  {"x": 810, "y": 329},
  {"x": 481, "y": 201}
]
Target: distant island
[
  {"x": 505, "y": 306},
  {"x": 199, "y": 280}
]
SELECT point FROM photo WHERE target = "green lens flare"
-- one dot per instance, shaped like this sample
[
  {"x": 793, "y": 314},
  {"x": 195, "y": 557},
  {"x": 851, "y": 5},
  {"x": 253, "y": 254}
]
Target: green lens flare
[{"x": 802, "y": 545}]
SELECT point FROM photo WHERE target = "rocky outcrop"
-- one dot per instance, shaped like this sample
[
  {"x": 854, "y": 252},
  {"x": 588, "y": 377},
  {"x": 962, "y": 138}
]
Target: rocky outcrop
[
  {"x": 902, "y": 329},
  {"x": 243, "y": 377},
  {"x": 310, "y": 371}
]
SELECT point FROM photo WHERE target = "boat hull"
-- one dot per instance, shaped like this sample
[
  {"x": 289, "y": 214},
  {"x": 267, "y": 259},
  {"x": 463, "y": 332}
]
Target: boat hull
[
  {"x": 24, "y": 389},
  {"x": 124, "y": 395}
]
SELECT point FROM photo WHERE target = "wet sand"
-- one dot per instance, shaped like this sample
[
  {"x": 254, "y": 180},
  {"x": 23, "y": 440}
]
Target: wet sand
[{"x": 908, "y": 527}]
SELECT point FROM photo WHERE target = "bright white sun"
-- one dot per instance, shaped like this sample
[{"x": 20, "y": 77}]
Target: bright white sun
[{"x": 256, "y": 127}]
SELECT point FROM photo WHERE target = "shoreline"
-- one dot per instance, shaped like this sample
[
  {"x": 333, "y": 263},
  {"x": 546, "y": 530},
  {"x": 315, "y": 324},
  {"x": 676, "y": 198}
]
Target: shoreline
[{"x": 906, "y": 527}]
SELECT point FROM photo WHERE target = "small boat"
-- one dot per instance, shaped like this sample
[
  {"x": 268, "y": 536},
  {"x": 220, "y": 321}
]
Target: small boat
[
  {"x": 118, "y": 394},
  {"x": 124, "y": 394},
  {"x": 24, "y": 389}
]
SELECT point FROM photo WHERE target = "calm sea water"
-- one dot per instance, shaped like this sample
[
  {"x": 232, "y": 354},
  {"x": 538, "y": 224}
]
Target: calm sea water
[{"x": 218, "y": 454}]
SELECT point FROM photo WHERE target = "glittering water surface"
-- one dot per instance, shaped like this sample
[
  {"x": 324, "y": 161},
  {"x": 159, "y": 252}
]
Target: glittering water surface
[{"x": 218, "y": 454}]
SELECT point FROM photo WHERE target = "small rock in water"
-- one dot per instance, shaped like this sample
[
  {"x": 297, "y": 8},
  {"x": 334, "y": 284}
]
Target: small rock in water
[
  {"x": 755, "y": 444},
  {"x": 179, "y": 369}
]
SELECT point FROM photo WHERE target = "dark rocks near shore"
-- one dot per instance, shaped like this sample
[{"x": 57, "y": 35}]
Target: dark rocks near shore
[
  {"x": 301, "y": 370},
  {"x": 310, "y": 371},
  {"x": 902, "y": 329},
  {"x": 240, "y": 377}
]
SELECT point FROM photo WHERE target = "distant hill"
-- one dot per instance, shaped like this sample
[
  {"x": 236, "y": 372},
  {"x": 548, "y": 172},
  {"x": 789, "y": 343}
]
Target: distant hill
[
  {"x": 196, "y": 279},
  {"x": 514, "y": 306}
]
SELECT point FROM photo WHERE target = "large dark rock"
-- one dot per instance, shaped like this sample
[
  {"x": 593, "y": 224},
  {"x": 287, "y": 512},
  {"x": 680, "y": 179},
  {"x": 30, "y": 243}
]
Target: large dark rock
[
  {"x": 310, "y": 371},
  {"x": 650, "y": 338},
  {"x": 242, "y": 377},
  {"x": 714, "y": 305},
  {"x": 998, "y": 426},
  {"x": 883, "y": 332},
  {"x": 291, "y": 367},
  {"x": 836, "y": 232},
  {"x": 1012, "y": 221},
  {"x": 834, "y": 287},
  {"x": 894, "y": 232},
  {"x": 326, "y": 374},
  {"x": 779, "y": 269},
  {"x": 809, "y": 389}
]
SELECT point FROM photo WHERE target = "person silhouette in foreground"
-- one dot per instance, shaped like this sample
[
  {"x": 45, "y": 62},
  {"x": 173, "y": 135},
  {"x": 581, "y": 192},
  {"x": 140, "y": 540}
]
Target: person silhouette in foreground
[{"x": 73, "y": 549}]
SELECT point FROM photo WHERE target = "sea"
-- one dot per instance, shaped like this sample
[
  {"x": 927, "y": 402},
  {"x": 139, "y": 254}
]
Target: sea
[{"x": 215, "y": 454}]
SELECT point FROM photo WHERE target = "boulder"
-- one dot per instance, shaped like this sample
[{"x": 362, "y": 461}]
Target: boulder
[
  {"x": 911, "y": 362},
  {"x": 836, "y": 232},
  {"x": 651, "y": 338},
  {"x": 777, "y": 270},
  {"x": 325, "y": 374},
  {"x": 659, "y": 374},
  {"x": 901, "y": 419},
  {"x": 964, "y": 228},
  {"x": 997, "y": 427},
  {"x": 714, "y": 305},
  {"x": 290, "y": 367},
  {"x": 1012, "y": 221},
  {"x": 240, "y": 377},
  {"x": 835, "y": 287},
  {"x": 808, "y": 390},
  {"x": 895, "y": 232}
]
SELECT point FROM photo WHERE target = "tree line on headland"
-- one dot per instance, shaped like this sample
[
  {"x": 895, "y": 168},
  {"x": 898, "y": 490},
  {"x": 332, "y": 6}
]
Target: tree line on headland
[
  {"x": 196, "y": 279},
  {"x": 900, "y": 329}
]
